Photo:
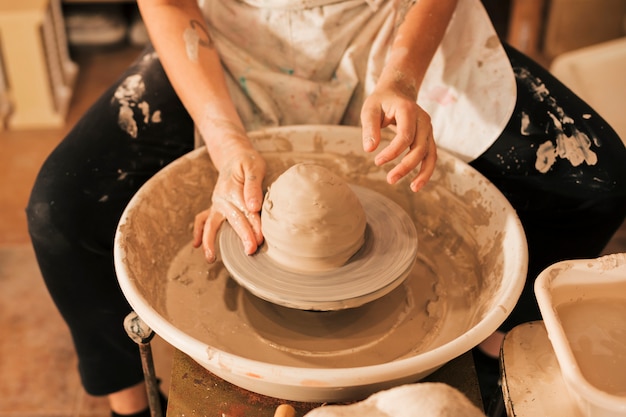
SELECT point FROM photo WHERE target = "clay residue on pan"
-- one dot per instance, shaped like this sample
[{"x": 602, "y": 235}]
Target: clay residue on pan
[
  {"x": 147, "y": 254},
  {"x": 449, "y": 290},
  {"x": 436, "y": 303},
  {"x": 239, "y": 323}
]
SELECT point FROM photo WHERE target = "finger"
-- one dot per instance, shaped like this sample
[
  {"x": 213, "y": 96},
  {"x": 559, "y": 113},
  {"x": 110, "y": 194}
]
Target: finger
[
  {"x": 417, "y": 152},
  {"x": 198, "y": 227},
  {"x": 426, "y": 169},
  {"x": 371, "y": 123},
  {"x": 254, "y": 219},
  {"x": 209, "y": 234},
  {"x": 406, "y": 130},
  {"x": 253, "y": 186},
  {"x": 253, "y": 196},
  {"x": 240, "y": 224}
]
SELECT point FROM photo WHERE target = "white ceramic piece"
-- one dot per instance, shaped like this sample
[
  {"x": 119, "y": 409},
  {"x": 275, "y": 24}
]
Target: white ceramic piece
[
  {"x": 470, "y": 269},
  {"x": 583, "y": 305}
]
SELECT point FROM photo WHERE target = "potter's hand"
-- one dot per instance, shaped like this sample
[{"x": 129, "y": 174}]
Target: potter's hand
[
  {"x": 414, "y": 134},
  {"x": 237, "y": 198}
]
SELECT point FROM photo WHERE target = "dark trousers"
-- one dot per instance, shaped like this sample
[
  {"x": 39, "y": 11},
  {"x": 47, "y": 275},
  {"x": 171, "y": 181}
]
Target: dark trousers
[
  {"x": 569, "y": 211},
  {"x": 87, "y": 181}
]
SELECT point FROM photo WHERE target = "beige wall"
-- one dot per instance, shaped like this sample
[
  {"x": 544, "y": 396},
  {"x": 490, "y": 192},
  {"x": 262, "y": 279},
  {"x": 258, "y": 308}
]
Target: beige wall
[{"x": 573, "y": 24}]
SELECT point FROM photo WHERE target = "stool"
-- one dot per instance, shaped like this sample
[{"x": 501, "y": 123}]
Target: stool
[
  {"x": 195, "y": 391},
  {"x": 531, "y": 378},
  {"x": 38, "y": 73}
]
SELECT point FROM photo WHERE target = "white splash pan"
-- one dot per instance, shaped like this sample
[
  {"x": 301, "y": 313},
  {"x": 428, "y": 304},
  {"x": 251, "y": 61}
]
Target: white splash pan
[
  {"x": 471, "y": 244},
  {"x": 601, "y": 280}
]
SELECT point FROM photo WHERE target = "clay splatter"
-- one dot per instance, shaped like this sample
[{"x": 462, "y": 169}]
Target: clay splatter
[
  {"x": 150, "y": 56},
  {"x": 574, "y": 146},
  {"x": 193, "y": 40},
  {"x": 129, "y": 95}
]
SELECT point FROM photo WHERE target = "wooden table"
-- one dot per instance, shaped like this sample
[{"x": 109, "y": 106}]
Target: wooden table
[{"x": 196, "y": 392}]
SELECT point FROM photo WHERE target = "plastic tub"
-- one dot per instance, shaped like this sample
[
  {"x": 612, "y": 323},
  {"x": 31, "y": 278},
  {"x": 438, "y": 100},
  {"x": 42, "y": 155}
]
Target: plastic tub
[{"x": 583, "y": 304}]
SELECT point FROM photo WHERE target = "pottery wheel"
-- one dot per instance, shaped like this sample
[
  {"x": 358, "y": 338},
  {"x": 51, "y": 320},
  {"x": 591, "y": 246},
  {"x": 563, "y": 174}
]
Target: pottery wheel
[{"x": 380, "y": 265}]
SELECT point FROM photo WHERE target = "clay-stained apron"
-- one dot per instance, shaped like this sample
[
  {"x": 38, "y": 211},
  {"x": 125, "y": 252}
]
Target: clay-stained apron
[{"x": 312, "y": 62}]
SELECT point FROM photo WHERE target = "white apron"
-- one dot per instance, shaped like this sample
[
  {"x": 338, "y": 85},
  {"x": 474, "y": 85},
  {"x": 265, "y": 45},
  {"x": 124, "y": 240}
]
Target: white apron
[{"x": 313, "y": 62}]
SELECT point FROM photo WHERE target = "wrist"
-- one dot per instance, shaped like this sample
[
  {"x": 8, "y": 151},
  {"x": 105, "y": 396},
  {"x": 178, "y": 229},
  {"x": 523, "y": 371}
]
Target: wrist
[
  {"x": 212, "y": 125},
  {"x": 224, "y": 141},
  {"x": 399, "y": 80}
]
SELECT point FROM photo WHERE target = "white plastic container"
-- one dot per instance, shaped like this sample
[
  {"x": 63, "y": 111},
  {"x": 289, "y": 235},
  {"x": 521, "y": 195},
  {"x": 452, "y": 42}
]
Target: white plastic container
[{"x": 583, "y": 304}]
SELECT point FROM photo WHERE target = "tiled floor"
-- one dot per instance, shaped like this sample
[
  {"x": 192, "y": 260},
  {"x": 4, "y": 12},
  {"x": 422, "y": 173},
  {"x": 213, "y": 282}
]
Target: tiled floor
[{"x": 37, "y": 362}]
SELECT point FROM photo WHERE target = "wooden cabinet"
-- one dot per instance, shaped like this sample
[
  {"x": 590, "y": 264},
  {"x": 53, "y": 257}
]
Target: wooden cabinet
[{"x": 37, "y": 72}]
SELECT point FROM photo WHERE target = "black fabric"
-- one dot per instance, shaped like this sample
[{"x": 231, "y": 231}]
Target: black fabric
[
  {"x": 569, "y": 211},
  {"x": 489, "y": 382},
  {"x": 73, "y": 211}
]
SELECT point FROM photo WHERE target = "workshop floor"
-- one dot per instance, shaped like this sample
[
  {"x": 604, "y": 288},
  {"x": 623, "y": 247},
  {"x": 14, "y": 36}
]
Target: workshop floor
[{"x": 37, "y": 361}]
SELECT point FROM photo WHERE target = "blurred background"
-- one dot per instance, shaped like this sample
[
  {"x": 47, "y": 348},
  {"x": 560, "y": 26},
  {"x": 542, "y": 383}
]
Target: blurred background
[{"x": 58, "y": 56}]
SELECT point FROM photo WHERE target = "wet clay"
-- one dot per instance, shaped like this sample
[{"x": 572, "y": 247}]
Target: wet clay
[
  {"x": 381, "y": 264},
  {"x": 459, "y": 271},
  {"x": 595, "y": 331},
  {"x": 311, "y": 219},
  {"x": 230, "y": 318},
  {"x": 433, "y": 306}
]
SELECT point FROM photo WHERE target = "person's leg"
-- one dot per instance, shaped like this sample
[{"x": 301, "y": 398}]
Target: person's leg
[
  {"x": 563, "y": 168},
  {"x": 136, "y": 128}
]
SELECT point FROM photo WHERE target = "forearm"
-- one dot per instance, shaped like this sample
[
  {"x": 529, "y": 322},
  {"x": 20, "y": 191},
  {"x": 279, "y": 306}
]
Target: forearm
[
  {"x": 179, "y": 34},
  {"x": 414, "y": 46}
]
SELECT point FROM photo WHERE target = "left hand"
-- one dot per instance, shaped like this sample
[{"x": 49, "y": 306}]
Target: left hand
[{"x": 237, "y": 198}]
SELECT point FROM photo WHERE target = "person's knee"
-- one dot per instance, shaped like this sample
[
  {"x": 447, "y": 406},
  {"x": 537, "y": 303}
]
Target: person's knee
[{"x": 48, "y": 213}]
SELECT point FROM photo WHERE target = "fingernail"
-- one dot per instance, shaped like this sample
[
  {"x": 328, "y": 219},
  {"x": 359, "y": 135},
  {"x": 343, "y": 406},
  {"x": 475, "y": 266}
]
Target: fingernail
[
  {"x": 249, "y": 247},
  {"x": 416, "y": 186},
  {"x": 254, "y": 204},
  {"x": 210, "y": 257}
]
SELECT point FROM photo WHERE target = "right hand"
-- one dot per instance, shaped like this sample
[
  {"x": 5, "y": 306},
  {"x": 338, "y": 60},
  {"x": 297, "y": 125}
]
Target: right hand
[
  {"x": 395, "y": 104},
  {"x": 237, "y": 198}
]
